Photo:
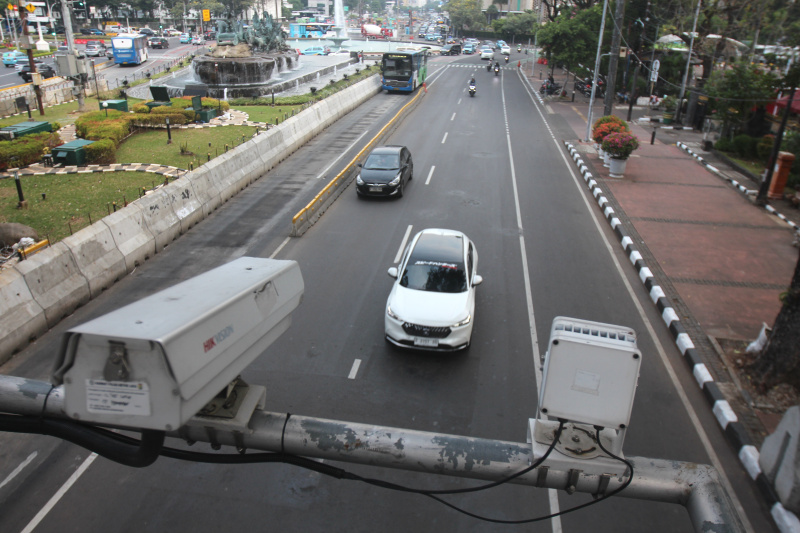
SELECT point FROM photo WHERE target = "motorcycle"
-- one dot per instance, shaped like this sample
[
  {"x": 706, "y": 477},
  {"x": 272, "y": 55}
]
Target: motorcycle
[
  {"x": 549, "y": 88},
  {"x": 506, "y": 59},
  {"x": 489, "y": 67},
  {"x": 471, "y": 90},
  {"x": 519, "y": 48},
  {"x": 496, "y": 71}
]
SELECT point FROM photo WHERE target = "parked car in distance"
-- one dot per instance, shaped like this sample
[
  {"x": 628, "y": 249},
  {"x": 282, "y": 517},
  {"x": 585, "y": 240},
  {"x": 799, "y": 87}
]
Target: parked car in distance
[
  {"x": 158, "y": 42},
  {"x": 92, "y": 31},
  {"x": 432, "y": 302},
  {"x": 10, "y": 58},
  {"x": 316, "y": 51},
  {"x": 185, "y": 38},
  {"x": 385, "y": 172},
  {"x": 45, "y": 70},
  {"x": 451, "y": 50},
  {"x": 24, "y": 62},
  {"x": 94, "y": 50},
  {"x": 172, "y": 32}
]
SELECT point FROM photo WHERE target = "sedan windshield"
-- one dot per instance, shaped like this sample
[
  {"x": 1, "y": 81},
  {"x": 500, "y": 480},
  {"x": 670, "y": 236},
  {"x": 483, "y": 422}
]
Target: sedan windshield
[
  {"x": 434, "y": 276},
  {"x": 382, "y": 162}
]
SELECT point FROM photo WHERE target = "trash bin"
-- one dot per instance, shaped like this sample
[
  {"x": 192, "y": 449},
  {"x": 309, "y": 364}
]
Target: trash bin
[
  {"x": 119, "y": 105},
  {"x": 780, "y": 175},
  {"x": 72, "y": 153},
  {"x": 205, "y": 115}
]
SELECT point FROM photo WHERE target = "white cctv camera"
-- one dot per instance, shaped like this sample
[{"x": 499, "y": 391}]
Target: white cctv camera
[{"x": 157, "y": 362}]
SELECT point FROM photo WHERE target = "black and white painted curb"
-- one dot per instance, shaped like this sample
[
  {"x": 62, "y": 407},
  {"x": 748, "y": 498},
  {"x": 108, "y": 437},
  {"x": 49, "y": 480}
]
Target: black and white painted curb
[
  {"x": 739, "y": 186},
  {"x": 733, "y": 429}
]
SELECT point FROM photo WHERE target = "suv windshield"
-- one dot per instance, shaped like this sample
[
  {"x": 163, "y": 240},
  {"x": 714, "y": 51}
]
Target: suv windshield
[
  {"x": 382, "y": 162},
  {"x": 434, "y": 276}
]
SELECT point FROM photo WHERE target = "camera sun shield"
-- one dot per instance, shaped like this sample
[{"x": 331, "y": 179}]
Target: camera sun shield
[{"x": 155, "y": 363}]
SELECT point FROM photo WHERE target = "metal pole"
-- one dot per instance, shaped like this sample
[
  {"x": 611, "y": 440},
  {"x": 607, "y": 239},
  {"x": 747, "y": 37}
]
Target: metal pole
[
  {"x": 96, "y": 86},
  {"x": 694, "y": 486},
  {"x": 761, "y": 198},
  {"x": 594, "y": 75},
  {"x": 688, "y": 64}
]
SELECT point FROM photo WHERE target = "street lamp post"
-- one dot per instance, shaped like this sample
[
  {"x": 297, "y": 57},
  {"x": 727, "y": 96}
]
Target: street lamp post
[
  {"x": 105, "y": 106},
  {"x": 169, "y": 133},
  {"x": 596, "y": 69}
]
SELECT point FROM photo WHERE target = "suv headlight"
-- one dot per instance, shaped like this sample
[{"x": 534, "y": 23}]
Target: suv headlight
[
  {"x": 359, "y": 181},
  {"x": 391, "y": 313},
  {"x": 396, "y": 180},
  {"x": 463, "y": 322}
]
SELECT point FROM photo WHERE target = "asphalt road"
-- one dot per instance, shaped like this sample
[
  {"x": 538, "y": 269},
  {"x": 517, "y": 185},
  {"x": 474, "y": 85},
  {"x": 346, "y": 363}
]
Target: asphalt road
[{"x": 491, "y": 166}]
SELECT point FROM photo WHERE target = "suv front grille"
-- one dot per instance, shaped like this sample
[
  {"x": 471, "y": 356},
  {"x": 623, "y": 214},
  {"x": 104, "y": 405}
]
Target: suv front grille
[{"x": 425, "y": 331}]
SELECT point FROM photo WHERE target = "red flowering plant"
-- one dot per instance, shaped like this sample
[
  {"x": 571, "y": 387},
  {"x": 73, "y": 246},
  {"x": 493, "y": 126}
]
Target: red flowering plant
[
  {"x": 605, "y": 119},
  {"x": 601, "y": 131},
  {"x": 620, "y": 145}
]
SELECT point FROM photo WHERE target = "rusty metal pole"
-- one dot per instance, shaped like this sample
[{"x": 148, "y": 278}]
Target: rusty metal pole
[{"x": 23, "y": 18}]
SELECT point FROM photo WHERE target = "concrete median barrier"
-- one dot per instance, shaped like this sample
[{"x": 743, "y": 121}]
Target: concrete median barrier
[
  {"x": 206, "y": 190},
  {"x": 97, "y": 257},
  {"x": 131, "y": 236},
  {"x": 23, "y": 317},
  {"x": 55, "y": 281},
  {"x": 185, "y": 203},
  {"x": 160, "y": 218}
]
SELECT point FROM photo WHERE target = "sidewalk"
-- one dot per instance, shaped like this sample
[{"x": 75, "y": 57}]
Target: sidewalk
[{"x": 715, "y": 263}]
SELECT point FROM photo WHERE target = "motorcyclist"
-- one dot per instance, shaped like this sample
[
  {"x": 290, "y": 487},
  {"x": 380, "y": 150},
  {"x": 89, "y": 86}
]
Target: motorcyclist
[
  {"x": 472, "y": 81},
  {"x": 497, "y": 65},
  {"x": 506, "y": 59},
  {"x": 489, "y": 67}
]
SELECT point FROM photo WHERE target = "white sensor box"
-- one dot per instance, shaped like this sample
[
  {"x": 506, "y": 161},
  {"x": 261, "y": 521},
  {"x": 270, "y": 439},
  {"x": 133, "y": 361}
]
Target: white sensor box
[{"x": 590, "y": 373}]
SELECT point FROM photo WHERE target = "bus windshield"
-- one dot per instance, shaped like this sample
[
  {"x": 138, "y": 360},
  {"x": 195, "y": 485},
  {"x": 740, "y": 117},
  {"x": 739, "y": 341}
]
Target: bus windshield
[{"x": 397, "y": 66}]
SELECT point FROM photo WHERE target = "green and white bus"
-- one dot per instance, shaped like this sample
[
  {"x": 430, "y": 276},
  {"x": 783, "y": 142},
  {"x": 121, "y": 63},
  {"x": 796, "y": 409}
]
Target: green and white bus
[{"x": 404, "y": 70}]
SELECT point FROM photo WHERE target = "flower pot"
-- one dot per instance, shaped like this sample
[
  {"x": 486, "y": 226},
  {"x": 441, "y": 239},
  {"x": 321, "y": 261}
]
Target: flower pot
[
  {"x": 616, "y": 167},
  {"x": 606, "y": 159},
  {"x": 667, "y": 117},
  {"x": 600, "y": 153}
]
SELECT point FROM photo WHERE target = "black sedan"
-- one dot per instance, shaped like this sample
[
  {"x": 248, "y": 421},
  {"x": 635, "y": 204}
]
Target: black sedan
[
  {"x": 158, "y": 42},
  {"x": 45, "y": 70},
  {"x": 386, "y": 172}
]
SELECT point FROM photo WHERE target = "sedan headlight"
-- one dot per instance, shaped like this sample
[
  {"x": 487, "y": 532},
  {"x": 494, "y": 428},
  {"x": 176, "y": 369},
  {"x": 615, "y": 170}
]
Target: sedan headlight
[
  {"x": 359, "y": 181},
  {"x": 396, "y": 181},
  {"x": 462, "y": 322}
]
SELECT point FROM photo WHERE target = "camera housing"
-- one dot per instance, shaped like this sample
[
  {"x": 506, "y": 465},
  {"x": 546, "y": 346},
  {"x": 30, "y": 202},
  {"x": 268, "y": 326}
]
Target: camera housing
[{"x": 155, "y": 363}]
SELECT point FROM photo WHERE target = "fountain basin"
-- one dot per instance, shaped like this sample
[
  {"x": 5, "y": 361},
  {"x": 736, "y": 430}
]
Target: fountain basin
[{"x": 242, "y": 76}]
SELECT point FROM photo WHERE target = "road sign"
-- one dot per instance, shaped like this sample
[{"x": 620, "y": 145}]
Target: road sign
[
  {"x": 31, "y": 8},
  {"x": 654, "y": 70},
  {"x": 206, "y": 15}
]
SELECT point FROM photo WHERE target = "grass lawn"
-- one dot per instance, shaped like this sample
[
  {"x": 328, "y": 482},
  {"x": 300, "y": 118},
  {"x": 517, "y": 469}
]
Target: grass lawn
[
  {"x": 266, "y": 113},
  {"x": 151, "y": 146},
  {"x": 71, "y": 199}
]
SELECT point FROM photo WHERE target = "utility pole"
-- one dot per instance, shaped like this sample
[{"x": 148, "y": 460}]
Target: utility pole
[
  {"x": 81, "y": 82},
  {"x": 688, "y": 64},
  {"x": 26, "y": 39},
  {"x": 611, "y": 81}
]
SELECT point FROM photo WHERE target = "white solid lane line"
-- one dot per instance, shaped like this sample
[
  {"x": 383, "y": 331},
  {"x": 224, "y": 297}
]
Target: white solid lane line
[
  {"x": 403, "y": 244},
  {"x": 60, "y": 494},
  {"x": 19, "y": 469}
]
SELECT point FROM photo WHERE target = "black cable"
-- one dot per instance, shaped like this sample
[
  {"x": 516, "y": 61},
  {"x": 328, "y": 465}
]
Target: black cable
[
  {"x": 143, "y": 453},
  {"x": 283, "y": 431}
]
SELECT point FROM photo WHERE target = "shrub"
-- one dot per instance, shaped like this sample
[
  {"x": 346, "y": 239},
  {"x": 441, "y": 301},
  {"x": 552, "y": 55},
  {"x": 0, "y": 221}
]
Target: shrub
[
  {"x": 101, "y": 152},
  {"x": 764, "y": 147},
  {"x": 620, "y": 145},
  {"x": 140, "y": 108},
  {"x": 724, "y": 145},
  {"x": 745, "y": 146},
  {"x": 20, "y": 152},
  {"x": 670, "y": 104},
  {"x": 603, "y": 130}
]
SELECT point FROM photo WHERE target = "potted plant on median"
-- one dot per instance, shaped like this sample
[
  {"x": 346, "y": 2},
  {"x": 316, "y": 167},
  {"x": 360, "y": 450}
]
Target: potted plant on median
[
  {"x": 670, "y": 104},
  {"x": 619, "y": 146},
  {"x": 601, "y": 131}
]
